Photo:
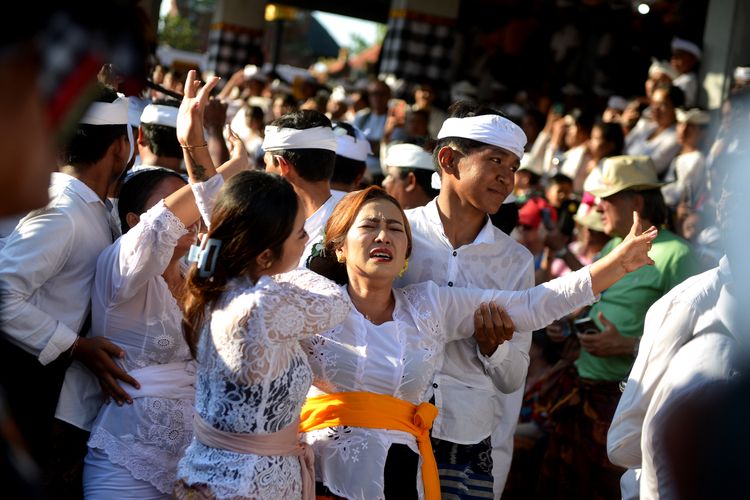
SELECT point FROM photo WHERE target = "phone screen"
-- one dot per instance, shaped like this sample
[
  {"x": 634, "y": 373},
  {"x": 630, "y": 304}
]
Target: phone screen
[{"x": 585, "y": 326}]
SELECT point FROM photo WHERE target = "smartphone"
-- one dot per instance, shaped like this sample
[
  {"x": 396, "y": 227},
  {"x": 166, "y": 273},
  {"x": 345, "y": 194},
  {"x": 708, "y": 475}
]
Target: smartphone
[{"x": 585, "y": 326}]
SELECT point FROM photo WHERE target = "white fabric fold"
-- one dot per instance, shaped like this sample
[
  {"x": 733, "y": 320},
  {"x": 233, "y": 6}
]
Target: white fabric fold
[
  {"x": 279, "y": 138},
  {"x": 171, "y": 381},
  {"x": 158, "y": 114}
]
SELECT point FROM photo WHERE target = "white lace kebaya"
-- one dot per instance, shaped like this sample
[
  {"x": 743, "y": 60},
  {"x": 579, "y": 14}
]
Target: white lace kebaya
[
  {"x": 133, "y": 307},
  {"x": 399, "y": 358},
  {"x": 253, "y": 378}
]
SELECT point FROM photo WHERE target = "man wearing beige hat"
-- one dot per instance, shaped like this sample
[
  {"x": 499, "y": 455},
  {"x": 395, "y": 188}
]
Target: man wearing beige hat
[
  {"x": 576, "y": 463},
  {"x": 409, "y": 170}
]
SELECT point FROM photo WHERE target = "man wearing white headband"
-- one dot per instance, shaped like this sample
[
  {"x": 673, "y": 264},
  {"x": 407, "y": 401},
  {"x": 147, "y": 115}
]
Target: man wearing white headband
[
  {"x": 480, "y": 386},
  {"x": 47, "y": 268},
  {"x": 157, "y": 136},
  {"x": 685, "y": 58},
  {"x": 686, "y": 175},
  {"x": 300, "y": 146},
  {"x": 409, "y": 169},
  {"x": 352, "y": 150}
]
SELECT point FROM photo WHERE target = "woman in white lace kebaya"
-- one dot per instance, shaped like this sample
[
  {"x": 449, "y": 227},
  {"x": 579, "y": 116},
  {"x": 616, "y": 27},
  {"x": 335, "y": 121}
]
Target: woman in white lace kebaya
[
  {"x": 392, "y": 343},
  {"x": 134, "y": 449},
  {"x": 246, "y": 320}
]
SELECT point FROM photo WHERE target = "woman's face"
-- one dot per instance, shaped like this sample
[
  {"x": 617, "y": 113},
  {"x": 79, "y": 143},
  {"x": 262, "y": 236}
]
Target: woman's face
[
  {"x": 375, "y": 246},
  {"x": 662, "y": 110},
  {"x": 293, "y": 247}
]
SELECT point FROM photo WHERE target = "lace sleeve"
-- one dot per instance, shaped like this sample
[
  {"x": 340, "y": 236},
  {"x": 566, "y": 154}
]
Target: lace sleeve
[
  {"x": 305, "y": 304},
  {"x": 205, "y": 196},
  {"x": 140, "y": 254}
]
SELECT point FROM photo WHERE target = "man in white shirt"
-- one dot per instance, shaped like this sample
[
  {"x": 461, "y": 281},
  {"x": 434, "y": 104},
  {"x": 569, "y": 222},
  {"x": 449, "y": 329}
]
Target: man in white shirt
[
  {"x": 47, "y": 268},
  {"x": 300, "y": 146},
  {"x": 695, "y": 307},
  {"x": 480, "y": 386},
  {"x": 157, "y": 136}
]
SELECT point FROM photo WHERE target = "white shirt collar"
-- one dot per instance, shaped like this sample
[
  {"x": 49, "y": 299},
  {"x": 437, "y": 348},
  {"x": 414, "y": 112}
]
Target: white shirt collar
[
  {"x": 486, "y": 234},
  {"x": 76, "y": 186}
]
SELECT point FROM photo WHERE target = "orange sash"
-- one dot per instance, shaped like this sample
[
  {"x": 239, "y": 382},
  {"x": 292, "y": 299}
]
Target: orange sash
[{"x": 378, "y": 411}]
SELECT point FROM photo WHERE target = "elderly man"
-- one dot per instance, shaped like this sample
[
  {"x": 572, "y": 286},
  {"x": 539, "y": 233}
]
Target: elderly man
[
  {"x": 576, "y": 463},
  {"x": 479, "y": 388},
  {"x": 409, "y": 170}
]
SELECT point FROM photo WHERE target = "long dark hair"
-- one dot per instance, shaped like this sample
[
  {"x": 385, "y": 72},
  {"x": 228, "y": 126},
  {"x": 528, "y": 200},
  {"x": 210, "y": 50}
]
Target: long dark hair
[
  {"x": 255, "y": 211},
  {"x": 341, "y": 220}
]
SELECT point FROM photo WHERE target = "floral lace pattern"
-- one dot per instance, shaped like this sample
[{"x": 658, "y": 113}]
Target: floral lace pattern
[
  {"x": 253, "y": 378},
  {"x": 133, "y": 307}
]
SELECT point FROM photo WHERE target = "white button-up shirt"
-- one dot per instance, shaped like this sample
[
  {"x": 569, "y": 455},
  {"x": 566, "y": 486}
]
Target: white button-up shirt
[
  {"x": 688, "y": 310},
  {"x": 315, "y": 225},
  {"x": 468, "y": 388},
  {"x": 47, "y": 268}
]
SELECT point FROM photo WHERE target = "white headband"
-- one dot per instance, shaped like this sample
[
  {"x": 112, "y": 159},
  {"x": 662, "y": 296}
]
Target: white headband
[
  {"x": 157, "y": 114},
  {"x": 110, "y": 113},
  {"x": 617, "y": 102},
  {"x": 742, "y": 73},
  {"x": 687, "y": 46},
  {"x": 489, "y": 129},
  {"x": 278, "y": 138},
  {"x": 355, "y": 148},
  {"x": 693, "y": 116},
  {"x": 662, "y": 67},
  {"x": 409, "y": 156}
]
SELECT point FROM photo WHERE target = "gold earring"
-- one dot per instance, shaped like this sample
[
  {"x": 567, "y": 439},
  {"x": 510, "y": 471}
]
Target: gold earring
[
  {"x": 268, "y": 265},
  {"x": 404, "y": 269},
  {"x": 340, "y": 258}
]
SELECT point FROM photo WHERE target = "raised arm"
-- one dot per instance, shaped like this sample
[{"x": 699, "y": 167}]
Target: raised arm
[{"x": 190, "y": 133}]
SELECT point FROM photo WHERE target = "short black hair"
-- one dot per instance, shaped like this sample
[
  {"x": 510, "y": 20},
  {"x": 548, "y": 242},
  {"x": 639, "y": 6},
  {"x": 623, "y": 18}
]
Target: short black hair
[
  {"x": 676, "y": 95},
  {"x": 612, "y": 132},
  {"x": 136, "y": 190},
  {"x": 423, "y": 177},
  {"x": 347, "y": 170},
  {"x": 89, "y": 143},
  {"x": 464, "y": 109},
  {"x": 654, "y": 207},
  {"x": 313, "y": 165},
  {"x": 559, "y": 179},
  {"x": 162, "y": 139}
]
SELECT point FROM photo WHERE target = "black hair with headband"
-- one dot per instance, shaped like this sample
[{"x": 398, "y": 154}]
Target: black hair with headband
[
  {"x": 312, "y": 165},
  {"x": 162, "y": 139}
]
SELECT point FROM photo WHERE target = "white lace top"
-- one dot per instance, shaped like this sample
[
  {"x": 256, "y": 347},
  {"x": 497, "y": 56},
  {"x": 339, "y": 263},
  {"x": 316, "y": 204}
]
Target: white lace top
[
  {"x": 133, "y": 307},
  {"x": 399, "y": 358},
  {"x": 253, "y": 378}
]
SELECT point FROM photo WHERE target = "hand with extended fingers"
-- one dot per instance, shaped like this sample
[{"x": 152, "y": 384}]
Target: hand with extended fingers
[
  {"x": 632, "y": 253},
  {"x": 192, "y": 108}
]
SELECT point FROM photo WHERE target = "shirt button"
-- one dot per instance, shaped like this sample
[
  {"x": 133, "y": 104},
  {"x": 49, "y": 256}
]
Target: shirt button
[
  {"x": 434, "y": 385},
  {"x": 450, "y": 283},
  {"x": 455, "y": 253}
]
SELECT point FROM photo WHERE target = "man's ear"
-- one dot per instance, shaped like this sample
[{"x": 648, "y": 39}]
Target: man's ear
[
  {"x": 284, "y": 165},
  {"x": 132, "y": 219},
  {"x": 141, "y": 139},
  {"x": 411, "y": 182},
  {"x": 447, "y": 159}
]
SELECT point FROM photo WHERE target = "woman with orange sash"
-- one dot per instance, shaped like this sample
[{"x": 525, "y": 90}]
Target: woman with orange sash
[{"x": 368, "y": 417}]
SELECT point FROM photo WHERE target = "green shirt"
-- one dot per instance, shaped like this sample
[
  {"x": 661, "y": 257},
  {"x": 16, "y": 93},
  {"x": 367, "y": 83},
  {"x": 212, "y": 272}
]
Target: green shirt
[{"x": 625, "y": 303}]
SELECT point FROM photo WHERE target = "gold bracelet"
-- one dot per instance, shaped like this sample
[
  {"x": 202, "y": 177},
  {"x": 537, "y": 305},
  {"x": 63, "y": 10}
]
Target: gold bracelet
[{"x": 204, "y": 145}]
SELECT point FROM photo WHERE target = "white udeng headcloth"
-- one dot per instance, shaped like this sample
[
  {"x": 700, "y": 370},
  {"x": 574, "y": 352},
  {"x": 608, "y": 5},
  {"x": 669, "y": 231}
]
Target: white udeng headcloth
[
  {"x": 355, "y": 148},
  {"x": 278, "y": 138},
  {"x": 110, "y": 113},
  {"x": 158, "y": 114},
  {"x": 494, "y": 130}
]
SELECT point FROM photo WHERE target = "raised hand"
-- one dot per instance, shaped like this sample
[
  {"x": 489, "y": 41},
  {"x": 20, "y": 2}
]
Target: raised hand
[
  {"x": 192, "y": 107},
  {"x": 632, "y": 253}
]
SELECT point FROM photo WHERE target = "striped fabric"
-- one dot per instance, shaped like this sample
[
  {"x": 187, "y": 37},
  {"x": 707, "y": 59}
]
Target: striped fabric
[
  {"x": 417, "y": 46},
  {"x": 465, "y": 470}
]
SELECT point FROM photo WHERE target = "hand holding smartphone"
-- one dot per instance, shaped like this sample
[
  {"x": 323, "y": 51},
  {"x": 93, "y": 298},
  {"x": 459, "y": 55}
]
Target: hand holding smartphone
[{"x": 586, "y": 326}]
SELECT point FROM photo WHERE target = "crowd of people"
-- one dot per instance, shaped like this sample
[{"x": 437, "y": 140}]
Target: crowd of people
[{"x": 270, "y": 290}]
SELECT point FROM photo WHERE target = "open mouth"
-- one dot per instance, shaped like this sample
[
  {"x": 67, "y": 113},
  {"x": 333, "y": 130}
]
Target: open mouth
[{"x": 381, "y": 254}]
